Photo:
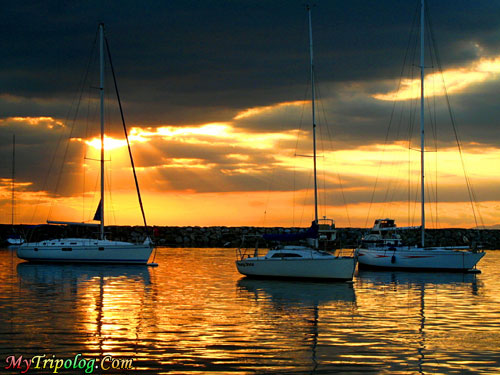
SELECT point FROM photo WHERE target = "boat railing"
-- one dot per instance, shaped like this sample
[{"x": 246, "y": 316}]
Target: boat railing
[{"x": 246, "y": 250}]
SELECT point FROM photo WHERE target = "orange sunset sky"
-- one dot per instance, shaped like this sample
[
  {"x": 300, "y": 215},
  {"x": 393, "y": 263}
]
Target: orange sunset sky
[{"x": 216, "y": 145}]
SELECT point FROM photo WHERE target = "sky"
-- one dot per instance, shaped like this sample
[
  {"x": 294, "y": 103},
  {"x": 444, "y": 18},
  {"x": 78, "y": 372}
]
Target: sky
[{"x": 216, "y": 96}]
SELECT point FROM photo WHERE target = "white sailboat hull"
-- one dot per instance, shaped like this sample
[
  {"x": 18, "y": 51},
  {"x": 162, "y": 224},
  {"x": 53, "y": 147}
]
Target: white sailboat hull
[
  {"x": 339, "y": 268},
  {"x": 86, "y": 251},
  {"x": 439, "y": 258}
]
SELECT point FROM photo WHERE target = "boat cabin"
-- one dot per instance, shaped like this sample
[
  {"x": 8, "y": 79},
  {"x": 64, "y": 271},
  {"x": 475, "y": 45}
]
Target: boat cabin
[
  {"x": 383, "y": 224},
  {"x": 296, "y": 252},
  {"x": 382, "y": 235},
  {"x": 326, "y": 229}
]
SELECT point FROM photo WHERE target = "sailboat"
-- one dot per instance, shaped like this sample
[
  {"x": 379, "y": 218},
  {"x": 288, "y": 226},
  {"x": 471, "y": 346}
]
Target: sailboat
[
  {"x": 294, "y": 261},
  {"x": 88, "y": 250},
  {"x": 14, "y": 239},
  {"x": 383, "y": 248}
]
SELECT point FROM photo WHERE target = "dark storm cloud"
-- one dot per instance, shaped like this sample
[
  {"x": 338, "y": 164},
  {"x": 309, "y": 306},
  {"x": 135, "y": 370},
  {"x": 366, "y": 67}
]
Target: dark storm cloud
[
  {"x": 350, "y": 118},
  {"x": 198, "y": 61},
  {"x": 40, "y": 150},
  {"x": 215, "y": 180}
]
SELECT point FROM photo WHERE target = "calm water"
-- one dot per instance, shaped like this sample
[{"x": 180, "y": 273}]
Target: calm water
[{"x": 195, "y": 314}]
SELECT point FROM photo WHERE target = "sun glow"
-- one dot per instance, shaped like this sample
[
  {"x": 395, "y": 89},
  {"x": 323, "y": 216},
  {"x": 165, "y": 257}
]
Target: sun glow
[
  {"x": 218, "y": 130},
  {"x": 213, "y": 134},
  {"x": 109, "y": 143}
]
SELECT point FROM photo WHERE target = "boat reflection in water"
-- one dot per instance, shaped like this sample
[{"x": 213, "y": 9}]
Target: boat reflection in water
[
  {"x": 61, "y": 274},
  {"x": 302, "y": 293},
  {"x": 388, "y": 278},
  {"x": 385, "y": 322},
  {"x": 430, "y": 299},
  {"x": 83, "y": 308},
  {"x": 302, "y": 310}
]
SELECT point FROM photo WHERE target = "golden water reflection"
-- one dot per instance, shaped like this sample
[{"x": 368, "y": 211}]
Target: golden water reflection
[{"x": 195, "y": 314}]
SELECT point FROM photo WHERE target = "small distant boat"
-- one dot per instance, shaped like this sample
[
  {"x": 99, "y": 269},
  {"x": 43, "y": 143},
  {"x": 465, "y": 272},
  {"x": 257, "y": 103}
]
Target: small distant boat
[
  {"x": 326, "y": 230},
  {"x": 382, "y": 247},
  {"x": 91, "y": 250},
  {"x": 294, "y": 261},
  {"x": 15, "y": 240}
]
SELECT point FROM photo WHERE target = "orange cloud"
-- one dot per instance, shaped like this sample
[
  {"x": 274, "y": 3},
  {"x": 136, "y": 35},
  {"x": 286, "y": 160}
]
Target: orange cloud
[
  {"x": 49, "y": 122},
  {"x": 267, "y": 109},
  {"x": 212, "y": 134},
  {"x": 187, "y": 163},
  {"x": 243, "y": 164},
  {"x": 457, "y": 80}
]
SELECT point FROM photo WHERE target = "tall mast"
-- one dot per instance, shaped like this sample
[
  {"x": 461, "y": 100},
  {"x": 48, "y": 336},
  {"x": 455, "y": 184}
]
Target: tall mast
[
  {"x": 13, "y": 174},
  {"x": 101, "y": 90},
  {"x": 313, "y": 115},
  {"x": 422, "y": 129}
]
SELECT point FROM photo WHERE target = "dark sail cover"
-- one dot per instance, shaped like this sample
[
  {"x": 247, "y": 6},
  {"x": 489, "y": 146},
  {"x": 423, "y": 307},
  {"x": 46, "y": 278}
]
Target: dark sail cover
[
  {"x": 312, "y": 232},
  {"x": 97, "y": 215}
]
